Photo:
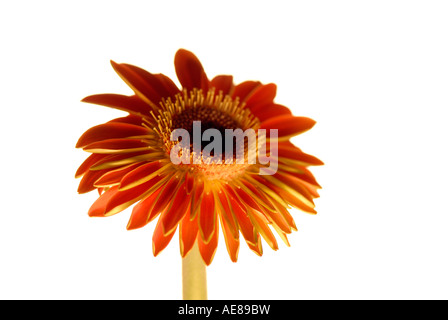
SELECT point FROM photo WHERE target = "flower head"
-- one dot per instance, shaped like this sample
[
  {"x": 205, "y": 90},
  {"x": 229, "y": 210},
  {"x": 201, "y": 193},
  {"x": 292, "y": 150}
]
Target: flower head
[{"x": 221, "y": 179}]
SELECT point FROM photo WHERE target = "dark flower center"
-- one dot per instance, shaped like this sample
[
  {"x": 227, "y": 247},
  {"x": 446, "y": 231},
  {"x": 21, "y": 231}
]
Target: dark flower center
[
  {"x": 209, "y": 118},
  {"x": 209, "y": 111}
]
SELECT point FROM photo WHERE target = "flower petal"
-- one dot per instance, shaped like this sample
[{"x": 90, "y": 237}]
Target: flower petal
[
  {"x": 250, "y": 196},
  {"x": 130, "y": 119},
  {"x": 140, "y": 175},
  {"x": 305, "y": 176},
  {"x": 291, "y": 186},
  {"x": 145, "y": 85},
  {"x": 114, "y": 176},
  {"x": 264, "y": 186},
  {"x": 98, "y": 208},
  {"x": 225, "y": 212},
  {"x": 117, "y": 160},
  {"x": 282, "y": 235},
  {"x": 285, "y": 214},
  {"x": 110, "y": 130},
  {"x": 207, "y": 216},
  {"x": 87, "y": 182},
  {"x": 166, "y": 195},
  {"x": 261, "y": 97},
  {"x": 232, "y": 243},
  {"x": 176, "y": 209},
  {"x": 123, "y": 199},
  {"x": 271, "y": 111},
  {"x": 141, "y": 213},
  {"x": 188, "y": 232},
  {"x": 131, "y": 104},
  {"x": 197, "y": 197},
  {"x": 208, "y": 249},
  {"x": 245, "y": 89},
  {"x": 291, "y": 196},
  {"x": 170, "y": 87},
  {"x": 265, "y": 206},
  {"x": 189, "y": 182},
  {"x": 223, "y": 83},
  {"x": 117, "y": 146},
  {"x": 261, "y": 225},
  {"x": 189, "y": 71},
  {"x": 257, "y": 247},
  {"x": 288, "y": 126},
  {"x": 244, "y": 223},
  {"x": 89, "y": 162},
  {"x": 290, "y": 154},
  {"x": 159, "y": 239}
]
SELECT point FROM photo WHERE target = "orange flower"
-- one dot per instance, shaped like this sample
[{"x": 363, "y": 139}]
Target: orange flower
[{"x": 130, "y": 161}]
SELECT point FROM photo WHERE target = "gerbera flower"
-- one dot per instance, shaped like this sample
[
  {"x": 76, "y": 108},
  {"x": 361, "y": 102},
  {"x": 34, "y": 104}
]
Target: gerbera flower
[{"x": 131, "y": 161}]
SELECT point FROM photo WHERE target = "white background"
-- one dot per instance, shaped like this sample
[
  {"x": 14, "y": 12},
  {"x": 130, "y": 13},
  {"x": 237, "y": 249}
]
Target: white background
[{"x": 373, "y": 74}]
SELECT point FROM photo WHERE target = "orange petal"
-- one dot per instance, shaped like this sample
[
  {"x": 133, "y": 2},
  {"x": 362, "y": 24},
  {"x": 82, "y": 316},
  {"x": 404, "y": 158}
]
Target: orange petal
[
  {"x": 268, "y": 209},
  {"x": 294, "y": 183},
  {"x": 188, "y": 232},
  {"x": 117, "y": 160},
  {"x": 305, "y": 176},
  {"x": 189, "y": 71},
  {"x": 244, "y": 223},
  {"x": 208, "y": 249},
  {"x": 123, "y": 199},
  {"x": 170, "y": 87},
  {"x": 110, "y": 130},
  {"x": 285, "y": 214},
  {"x": 117, "y": 146},
  {"x": 290, "y": 154},
  {"x": 165, "y": 195},
  {"x": 189, "y": 182},
  {"x": 223, "y": 83},
  {"x": 257, "y": 194},
  {"x": 257, "y": 247},
  {"x": 176, "y": 209},
  {"x": 131, "y": 104},
  {"x": 146, "y": 86},
  {"x": 197, "y": 197},
  {"x": 98, "y": 208},
  {"x": 292, "y": 199},
  {"x": 140, "y": 175},
  {"x": 130, "y": 119},
  {"x": 159, "y": 239},
  {"x": 87, "y": 182},
  {"x": 287, "y": 126},
  {"x": 282, "y": 235},
  {"x": 260, "y": 224},
  {"x": 113, "y": 177},
  {"x": 271, "y": 111},
  {"x": 245, "y": 89},
  {"x": 89, "y": 162},
  {"x": 290, "y": 188},
  {"x": 264, "y": 186},
  {"x": 226, "y": 213},
  {"x": 141, "y": 213},
  {"x": 157, "y": 86},
  {"x": 248, "y": 193},
  {"x": 207, "y": 216},
  {"x": 232, "y": 243},
  {"x": 261, "y": 97},
  {"x": 247, "y": 199}
]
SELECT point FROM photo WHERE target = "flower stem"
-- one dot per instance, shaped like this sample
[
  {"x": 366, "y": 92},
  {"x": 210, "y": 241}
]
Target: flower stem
[{"x": 194, "y": 276}]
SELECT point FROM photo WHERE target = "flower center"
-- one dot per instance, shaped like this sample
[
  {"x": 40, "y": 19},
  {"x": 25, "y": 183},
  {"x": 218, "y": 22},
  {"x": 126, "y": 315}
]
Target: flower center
[
  {"x": 210, "y": 118},
  {"x": 210, "y": 111}
]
